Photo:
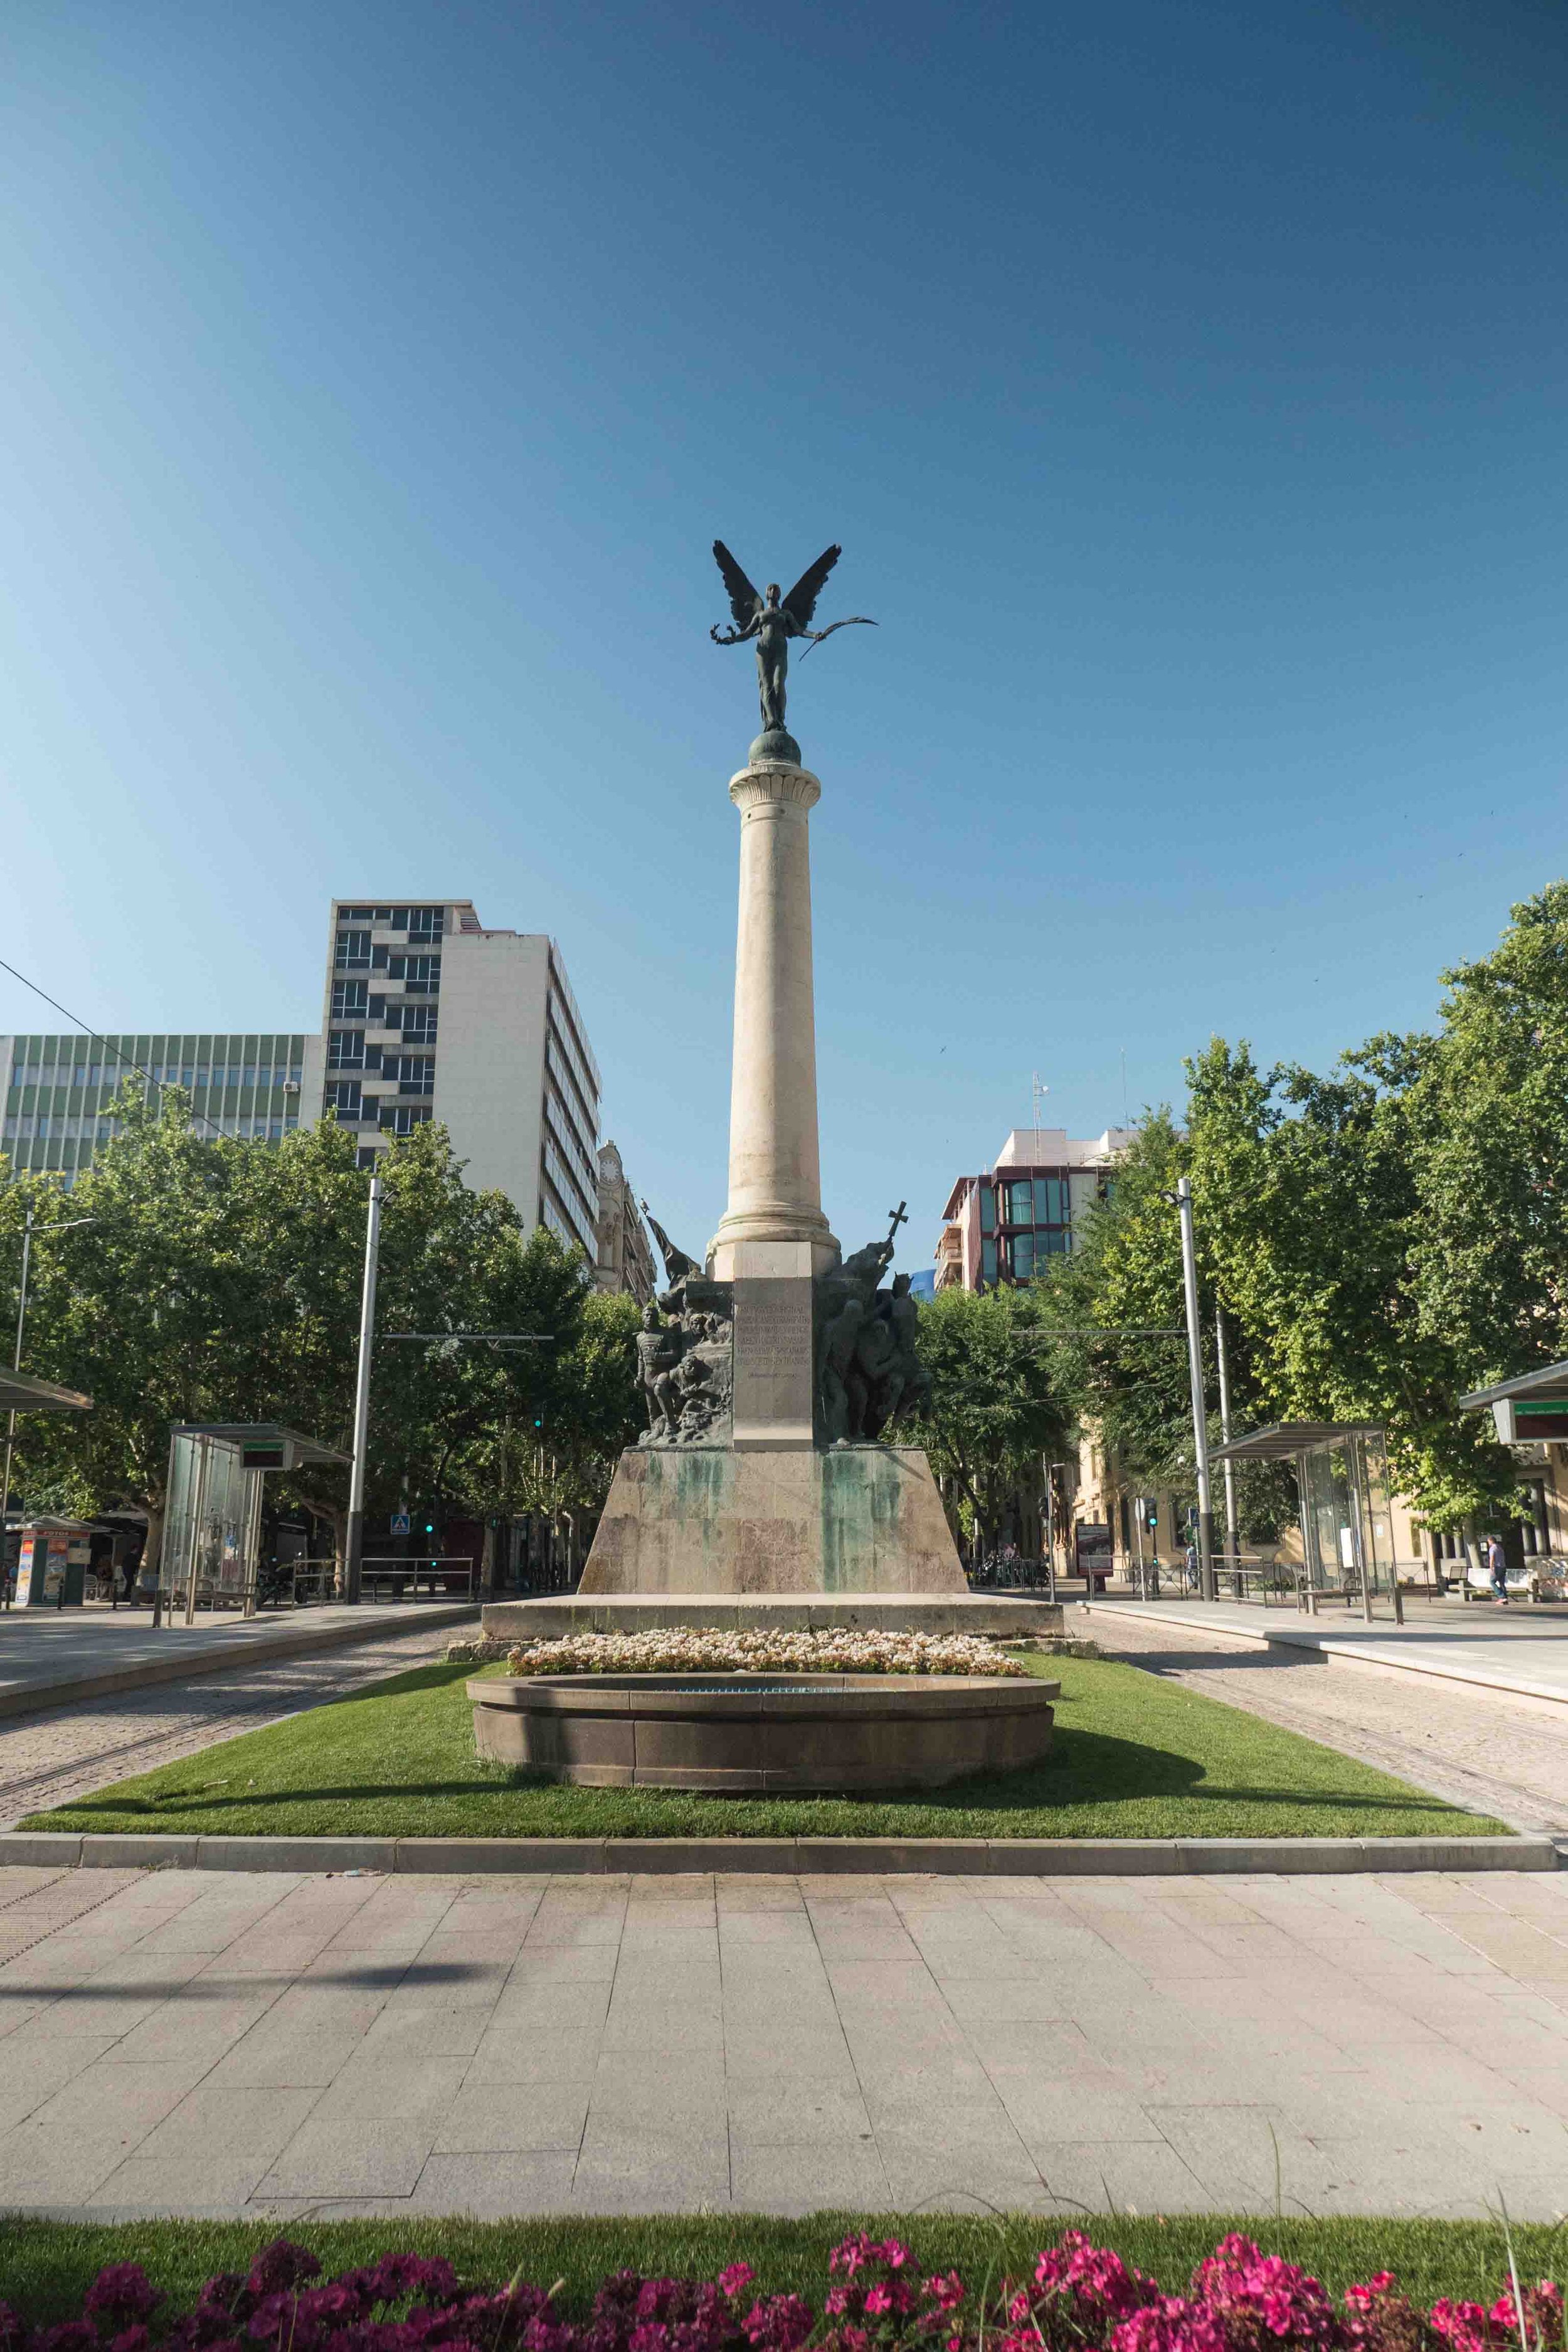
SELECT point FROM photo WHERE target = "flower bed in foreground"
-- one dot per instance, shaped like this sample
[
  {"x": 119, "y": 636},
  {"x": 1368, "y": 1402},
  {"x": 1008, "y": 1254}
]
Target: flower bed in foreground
[
  {"x": 677, "y": 1650},
  {"x": 875, "y": 2299}
]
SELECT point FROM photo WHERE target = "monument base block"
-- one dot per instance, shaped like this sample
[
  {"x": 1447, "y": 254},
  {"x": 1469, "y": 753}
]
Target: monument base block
[
  {"x": 774, "y": 1541},
  {"x": 843, "y": 1521},
  {"x": 989, "y": 1616}
]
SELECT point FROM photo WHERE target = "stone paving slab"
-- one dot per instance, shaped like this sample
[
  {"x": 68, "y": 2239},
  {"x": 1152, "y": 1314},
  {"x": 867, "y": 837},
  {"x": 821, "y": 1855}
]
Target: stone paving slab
[{"x": 188, "y": 2040}]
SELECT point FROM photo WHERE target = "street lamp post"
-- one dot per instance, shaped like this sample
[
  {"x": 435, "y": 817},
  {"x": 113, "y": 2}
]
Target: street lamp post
[
  {"x": 354, "y": 1547},
  {"x": 16, "y": 1366},
  {"x": 1195, "y": 1371},
  {"x": 1232, "y": 1536}
]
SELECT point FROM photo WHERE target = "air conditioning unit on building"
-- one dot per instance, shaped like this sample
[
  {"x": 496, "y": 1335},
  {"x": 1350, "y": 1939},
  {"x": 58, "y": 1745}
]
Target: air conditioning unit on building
[{"x": 290, "y": 1085}]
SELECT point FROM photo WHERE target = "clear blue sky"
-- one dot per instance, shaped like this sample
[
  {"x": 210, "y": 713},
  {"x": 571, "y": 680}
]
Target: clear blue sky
[{"x": 1185, "y": 379}]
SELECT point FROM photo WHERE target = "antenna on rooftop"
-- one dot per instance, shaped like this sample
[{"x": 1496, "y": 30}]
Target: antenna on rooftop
[{"x": 1040, "y": 1091}]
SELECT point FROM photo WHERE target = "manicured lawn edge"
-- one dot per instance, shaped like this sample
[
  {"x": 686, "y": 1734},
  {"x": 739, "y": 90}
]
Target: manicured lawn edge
[
  {"x": 1136, "y": 1759},
  {"x": 46, "y": 2266}
]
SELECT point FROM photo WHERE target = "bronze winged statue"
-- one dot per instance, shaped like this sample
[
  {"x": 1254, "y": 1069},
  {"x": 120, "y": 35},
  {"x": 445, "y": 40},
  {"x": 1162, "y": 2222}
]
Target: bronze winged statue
[{"x": 773, "y": 622}]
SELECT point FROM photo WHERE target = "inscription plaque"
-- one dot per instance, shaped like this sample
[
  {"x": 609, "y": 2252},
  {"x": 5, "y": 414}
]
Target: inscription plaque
[{"x": 772, "y": 1360}]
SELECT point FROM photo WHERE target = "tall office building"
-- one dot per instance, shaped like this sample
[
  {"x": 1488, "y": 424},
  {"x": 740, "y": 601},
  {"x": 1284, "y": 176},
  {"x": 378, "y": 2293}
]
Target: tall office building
[
  {"x": 427, "y": 1014},
  {"x": 56, "y": 1091}
]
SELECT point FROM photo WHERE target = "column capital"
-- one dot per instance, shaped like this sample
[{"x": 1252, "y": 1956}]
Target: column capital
[{"x": 777, "y": 786}]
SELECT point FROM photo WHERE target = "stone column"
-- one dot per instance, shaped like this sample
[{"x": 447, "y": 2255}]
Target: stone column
[{"x": 774, "y": 1237}]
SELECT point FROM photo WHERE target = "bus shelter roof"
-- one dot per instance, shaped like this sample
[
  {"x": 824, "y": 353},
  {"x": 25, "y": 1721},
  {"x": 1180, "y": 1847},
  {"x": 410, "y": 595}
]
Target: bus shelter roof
[
  {"x": 297, "y": 1449},
  {"x": 1284, "y": 1439},
  {"x": 19, "y": 1393},
  {"x": 1546, "y": 1381}
]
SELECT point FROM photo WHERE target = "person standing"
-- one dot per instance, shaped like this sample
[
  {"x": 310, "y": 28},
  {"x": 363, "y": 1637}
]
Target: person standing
[{"x": 1497, "y": 1568}]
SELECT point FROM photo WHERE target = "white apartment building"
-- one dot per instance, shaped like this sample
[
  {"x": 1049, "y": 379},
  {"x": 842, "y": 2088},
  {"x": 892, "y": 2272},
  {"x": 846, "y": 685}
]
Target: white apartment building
[{"x": 427, "y": 1014}]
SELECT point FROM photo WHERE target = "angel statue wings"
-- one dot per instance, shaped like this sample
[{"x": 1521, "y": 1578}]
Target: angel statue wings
[{"x": 774, "y": 623}]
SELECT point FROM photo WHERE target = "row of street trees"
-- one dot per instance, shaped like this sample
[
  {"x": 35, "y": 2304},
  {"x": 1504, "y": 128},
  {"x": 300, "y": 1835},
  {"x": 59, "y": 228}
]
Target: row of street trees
[
  {"x": 219, "y": 1280},
  {"x": 1379, "y": 1240}
]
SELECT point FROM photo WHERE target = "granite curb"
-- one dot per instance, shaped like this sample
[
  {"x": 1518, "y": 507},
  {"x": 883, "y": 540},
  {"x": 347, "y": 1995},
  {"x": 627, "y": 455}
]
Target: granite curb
[{"x": 783, "y": 1856}]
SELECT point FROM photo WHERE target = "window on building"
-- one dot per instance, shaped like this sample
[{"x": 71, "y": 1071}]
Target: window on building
[
  {"x": 350, "y": 999},
  {"x": 987, "y": 1210},
  {"x": 402, "y": 1118},
  {"x": 346, "y": 1049},
  {"x": 1019, "y": 1199},
  {"x": 367, "y": 1156},
  {"x": 1051, "y": 1201},
  {"x": 342, "y": 1098},
  {"x": 378, "y": 1008},
  {"x": 988, "y": 1261},
  {"x": 414, "y": 1072},
  {"x": 418, "y": 1022},
  {"x": 1054, "y": 1244},
  {"x": 420, "y": 974},
  {"x": 353, "y": 951},
  {"x": 426, "y": 922},
  {"x": 355, "y": 914},
  {"x": 1023, "y": 1255}
]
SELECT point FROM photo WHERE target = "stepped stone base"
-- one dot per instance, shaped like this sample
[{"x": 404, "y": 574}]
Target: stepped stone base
[
  {"x": 773, "y": 1521},
  {"x": 994, "y": 1617}
]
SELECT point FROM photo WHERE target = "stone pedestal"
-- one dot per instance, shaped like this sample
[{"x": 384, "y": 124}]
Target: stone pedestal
[{"x": 851, "y": 1519}]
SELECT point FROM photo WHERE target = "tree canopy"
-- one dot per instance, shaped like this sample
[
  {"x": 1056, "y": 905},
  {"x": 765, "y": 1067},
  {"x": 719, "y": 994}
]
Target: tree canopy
[
  {"x": 996, "y": 1414},
  {"x": 196, "y": 1278},
  {"x": 1380, "y": 1239}
]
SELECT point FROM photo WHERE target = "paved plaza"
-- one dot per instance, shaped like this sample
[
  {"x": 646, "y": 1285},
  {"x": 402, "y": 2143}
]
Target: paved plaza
[
  {"x": 1521, "y": 1651},
  {"x": 52, "y": 1657},
  {"x": 199, "y": 2042},
  {"x": 1488, "y": 1749}
]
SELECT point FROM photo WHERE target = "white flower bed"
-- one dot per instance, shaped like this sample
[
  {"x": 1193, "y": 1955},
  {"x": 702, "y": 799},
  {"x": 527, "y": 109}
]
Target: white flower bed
[{"x": 683, "y": 1650}]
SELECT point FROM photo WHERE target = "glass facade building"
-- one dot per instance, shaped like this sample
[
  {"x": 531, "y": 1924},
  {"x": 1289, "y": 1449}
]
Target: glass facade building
[
  {"x": 58, "y": 1089},
  {"x": 1005, "y": 1224}
]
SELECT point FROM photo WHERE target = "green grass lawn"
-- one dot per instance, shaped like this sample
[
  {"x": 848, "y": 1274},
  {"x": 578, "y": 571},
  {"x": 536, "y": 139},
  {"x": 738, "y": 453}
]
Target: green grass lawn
[
  {"x": 44, "y": 2266},
  {"x": 1135, "y": 1756}
]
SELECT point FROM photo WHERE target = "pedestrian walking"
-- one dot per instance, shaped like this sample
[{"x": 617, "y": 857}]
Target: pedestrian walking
[{"x": 1497, "y": 1568}]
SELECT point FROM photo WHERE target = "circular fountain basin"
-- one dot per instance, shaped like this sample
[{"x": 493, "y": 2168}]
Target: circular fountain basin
[{"x": 763, "y": 1732}]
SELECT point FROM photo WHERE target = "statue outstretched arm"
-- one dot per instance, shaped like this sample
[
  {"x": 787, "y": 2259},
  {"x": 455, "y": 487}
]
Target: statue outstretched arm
[{"x": 734, "y": 636}]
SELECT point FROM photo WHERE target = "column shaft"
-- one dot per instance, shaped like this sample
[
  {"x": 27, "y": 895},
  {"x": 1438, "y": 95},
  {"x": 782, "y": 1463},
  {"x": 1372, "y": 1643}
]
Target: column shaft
[{"x": 775, "y": 1180}]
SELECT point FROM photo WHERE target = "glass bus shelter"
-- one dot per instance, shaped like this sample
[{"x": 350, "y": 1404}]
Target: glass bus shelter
[
  {"x": 1349, "y": 1549},
  {"x": 212, "y": 1524}
]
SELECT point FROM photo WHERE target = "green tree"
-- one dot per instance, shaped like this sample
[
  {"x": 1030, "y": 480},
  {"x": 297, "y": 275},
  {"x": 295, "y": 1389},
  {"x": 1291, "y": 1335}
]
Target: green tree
[
  {"x": 149, "y": 1308},
  {"x": 220, "y": 1281},
  {"x": 995, "y": 1413},
  {"x": 1487, "y": 1120}
]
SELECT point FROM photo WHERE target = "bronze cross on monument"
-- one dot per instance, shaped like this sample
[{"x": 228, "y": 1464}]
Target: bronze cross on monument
[{"x": 898, "y": 1219}]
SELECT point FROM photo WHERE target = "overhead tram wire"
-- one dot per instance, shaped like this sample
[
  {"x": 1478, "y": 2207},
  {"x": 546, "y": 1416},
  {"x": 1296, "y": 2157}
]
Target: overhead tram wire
[
  {"x": 77, "y": 1022},
  {"x": 1104, "y": 1331}
]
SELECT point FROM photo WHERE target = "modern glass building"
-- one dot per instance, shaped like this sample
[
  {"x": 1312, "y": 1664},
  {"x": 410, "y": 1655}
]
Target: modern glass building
[
  {"x": 56, "y": 1091},
  {"x": 1005, "y": 1224}
]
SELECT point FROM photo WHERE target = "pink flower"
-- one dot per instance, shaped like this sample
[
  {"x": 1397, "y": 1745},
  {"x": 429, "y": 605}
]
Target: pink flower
[
  {"x": 738, "y": 2276},
  {"x": 878, "y": 2300}
]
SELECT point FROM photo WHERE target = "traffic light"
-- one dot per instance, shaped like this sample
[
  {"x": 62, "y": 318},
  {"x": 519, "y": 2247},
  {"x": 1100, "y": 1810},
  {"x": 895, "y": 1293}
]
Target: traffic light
[{"x": 539, "y": 1421}]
